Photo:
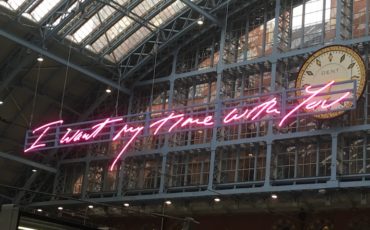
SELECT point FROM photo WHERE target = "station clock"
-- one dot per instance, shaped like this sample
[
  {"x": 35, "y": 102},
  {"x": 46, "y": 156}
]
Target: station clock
[{"x": 338, "y": 63}]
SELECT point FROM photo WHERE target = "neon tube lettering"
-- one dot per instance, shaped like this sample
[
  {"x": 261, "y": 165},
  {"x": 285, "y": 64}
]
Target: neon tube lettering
[
  {"x": 173, "y": 121},
  {"x": 334, "y": 102},
  {"x": 268, "y": 107},
  {"x": 313, "y": 94},
  {"x": 46, "y": 128},
  {"x": 79, "y": 135},
  {"x": 207, "y": 121},
  {"x": 163, "y": 121},
  {"x": 125, "y": 130}
]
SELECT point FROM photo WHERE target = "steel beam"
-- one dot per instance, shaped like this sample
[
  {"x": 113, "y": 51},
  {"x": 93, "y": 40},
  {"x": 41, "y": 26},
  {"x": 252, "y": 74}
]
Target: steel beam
[
  {"x": 50, "y": 55},
  {"x": 165, "y": 43},
  {"x": 210, "y": 193},
  {"x": 27, "y": 162},
  {"x": 11, "y": 76},
  {"x": 196, "y": 8},
  {"x": 46, "y": 97}
]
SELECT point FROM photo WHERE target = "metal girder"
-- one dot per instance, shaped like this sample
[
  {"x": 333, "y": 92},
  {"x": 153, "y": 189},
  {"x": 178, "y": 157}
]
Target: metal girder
[
  {"x": 169, "y": 40},
  {"x": 166, "y": 57},
  {"x": 63, "y": 61},
  {"x": 184, "y": 30},
  {"x": 211, "y": 193},
  {"x": 68, "y": 18},
  {"x": 93, "y": 7},
  {"x": 132, "y": 30},
  {"x": 27, "y": 60},
  {"x": 62, "y": 6},
  {"x": 47, "y": 97},
  {"x": 112, "y": 20},
  {"x": 11, "y": 141},
  {"x": 27, "y": 162},
  {"x": 207, "y": 15},
  {"x": 131, "y": 15},
  {"x": 6, "y": 197}
]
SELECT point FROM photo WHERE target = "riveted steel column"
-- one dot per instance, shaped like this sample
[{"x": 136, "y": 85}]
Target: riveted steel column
[
  {"x": 337, "y": 20},
  {"x": 217, "y": 108},
  {"x": 334, "y": 152},
  {"x": 165, "y": 148}
]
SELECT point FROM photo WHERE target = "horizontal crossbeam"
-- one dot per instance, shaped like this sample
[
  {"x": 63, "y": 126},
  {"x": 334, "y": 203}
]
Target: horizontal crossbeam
[
  {"x": 27, "y": 162},
  {"x": 50, "y": 55}
]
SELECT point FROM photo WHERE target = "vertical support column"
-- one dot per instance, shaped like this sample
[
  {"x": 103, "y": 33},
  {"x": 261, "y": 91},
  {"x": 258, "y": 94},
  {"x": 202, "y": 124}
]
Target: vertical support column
[
  {"x": 268, "y": 163},
  {"x": 196, "y": 58},
  {"x": 303, "y": 22},
  {"x": 120, "y": 179},
  {"x": 264, "y": 31},
  {"x": 272, "y": 89},
  {"x": 256, "y": 153},
  {"x": 163, "y": 172},
  {"x": 317, "y": 156},
  {"x": 186, "y": 170},
  {"x": 55, "y": 183},
  {"x": 337, "y": 21},
  {"x": 367, "y": 17},
  {"x": 130, "y": 103},
  {"x": 220, "y": 68},
  {"x": 9, "y": 217},
  {"x": 170, "y": 106},
  {"x": 366, "y": 100},
  {"x": 364, "y": 153},
  {"x": 276, "y": 27},
  {"x": 245, "y": 49},
  {"x": 273, "y": 59},
  {"x": 323, "y": 22},
  {"x": 334, "y": 151},
  {"x": 213, "y": 53},
  {"x": 296, "y": 160},
  {"x": 85, "y": 179},
  {"x": 211, "y": 168},
  {"x": 236, "y": 175}
]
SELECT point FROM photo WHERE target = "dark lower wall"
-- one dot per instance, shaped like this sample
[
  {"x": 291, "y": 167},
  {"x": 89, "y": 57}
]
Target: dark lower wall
[{"x": 358, "y": 219}]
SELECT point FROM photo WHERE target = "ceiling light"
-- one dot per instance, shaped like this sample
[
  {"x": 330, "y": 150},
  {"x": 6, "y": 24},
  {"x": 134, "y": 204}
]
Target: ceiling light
[
  {"x": 108, "y": 90},
  {"x": 168, "y": 202},
  {"x": 40, "y": 59},
  {"x": 126, "y": 204},
  {"x": 1, "y": 102},
  {"x": 200, "y": 21},
  {"x": 322, "y": 191},
  {"x": 39, "y": 210},
  {"x": 274, "y": 196},
  {"x": 25, "y": 228},
  {"x": 34, "y": 170},
  {"x": 90, "y": 206},
  {"x": 60, "y": 208},
  {"x": 217, "y": 199}
]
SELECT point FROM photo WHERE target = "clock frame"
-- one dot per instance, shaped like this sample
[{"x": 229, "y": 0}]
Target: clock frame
[{"x": 336, "y": 56}]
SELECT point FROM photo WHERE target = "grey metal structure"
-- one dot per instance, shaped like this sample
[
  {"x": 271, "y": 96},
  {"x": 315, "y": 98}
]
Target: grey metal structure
[{"x": 248, "y": 48}]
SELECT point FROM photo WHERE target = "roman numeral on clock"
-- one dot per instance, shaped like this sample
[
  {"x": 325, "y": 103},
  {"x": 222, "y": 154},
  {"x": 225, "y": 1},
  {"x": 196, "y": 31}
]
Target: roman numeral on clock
[
  {"x": 342, "y": 58},
  {"x": 351, "y": 66}
]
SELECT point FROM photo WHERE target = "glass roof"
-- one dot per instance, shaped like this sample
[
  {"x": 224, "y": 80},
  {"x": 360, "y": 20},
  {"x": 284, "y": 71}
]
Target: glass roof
[
  {"x": 143, "y": 32},
  {"x": 12, "y": 4},
  {"x": 120, "y": 27},
  {"x": 111, "y": 29},
  {"x": 38, "y": 12},
  {"x": 73, "y": 7}
]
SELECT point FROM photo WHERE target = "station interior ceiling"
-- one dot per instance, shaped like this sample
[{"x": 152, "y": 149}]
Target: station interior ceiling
[{"x": 89, "y": 46}]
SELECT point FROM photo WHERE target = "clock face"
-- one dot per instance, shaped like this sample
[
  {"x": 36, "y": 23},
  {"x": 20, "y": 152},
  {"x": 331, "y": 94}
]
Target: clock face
[{"x": 333, "y": 63}]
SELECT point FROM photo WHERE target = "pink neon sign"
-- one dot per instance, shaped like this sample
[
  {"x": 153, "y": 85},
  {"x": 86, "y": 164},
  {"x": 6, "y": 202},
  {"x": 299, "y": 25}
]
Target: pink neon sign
[{"x": 175, "y": 121}]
